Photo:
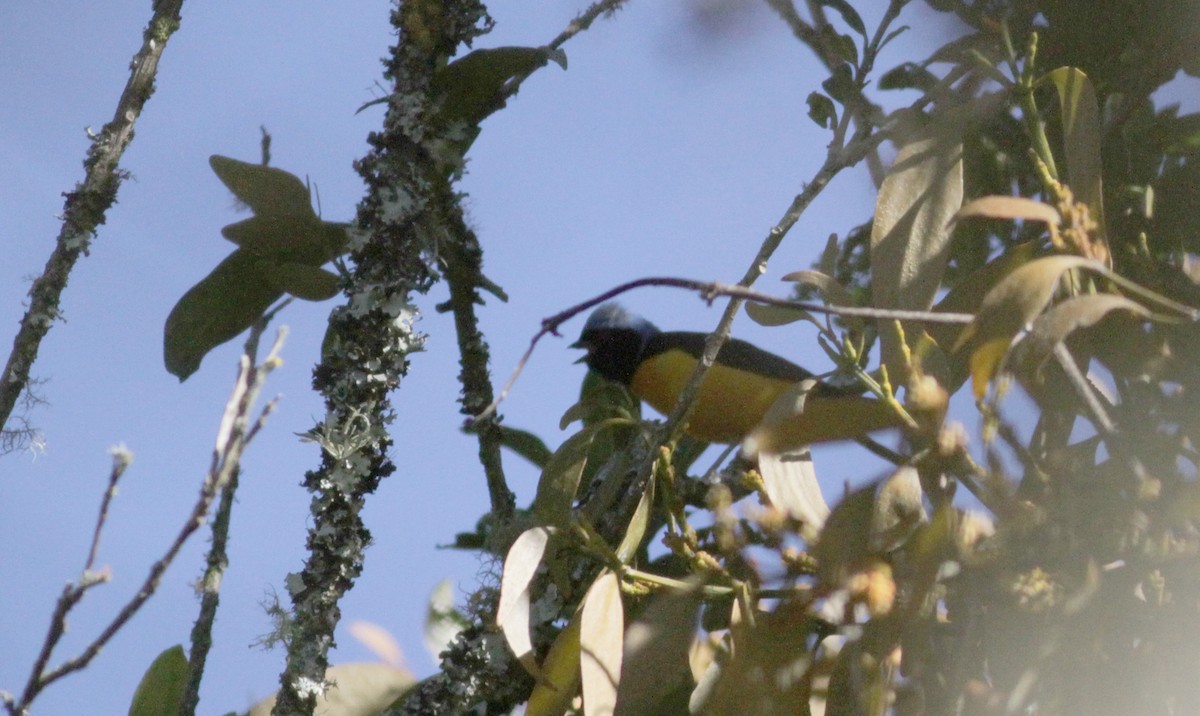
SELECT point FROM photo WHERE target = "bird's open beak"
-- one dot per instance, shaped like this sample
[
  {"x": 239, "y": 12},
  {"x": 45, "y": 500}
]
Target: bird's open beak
[{"x": 581, "y": 345}]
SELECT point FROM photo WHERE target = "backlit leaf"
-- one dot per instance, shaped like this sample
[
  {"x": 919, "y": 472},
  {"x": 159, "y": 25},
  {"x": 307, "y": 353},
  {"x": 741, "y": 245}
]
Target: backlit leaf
[
  {"x": 223, "y": 304},
  {"x": 310, "y": 283},
  {"x": 512, "y": 613},
  {"x": 161, "y": 687},
  {"x": 656, "y": 676},
  {"x": 601, "y": 637},
  {"x": 1009, "y": 207},
  {"x": 559, "y": 676},
  {"x": 266, "y": 190}
]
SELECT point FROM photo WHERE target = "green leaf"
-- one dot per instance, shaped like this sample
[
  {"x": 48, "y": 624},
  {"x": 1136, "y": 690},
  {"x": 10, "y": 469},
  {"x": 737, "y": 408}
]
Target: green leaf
[
  {"x": 161, "y": 687},
  {"x": 1082, "y": 136},
  {"x": 908, "y": 76},
  {"x": 910, "y": 236},
  {"x": 305, "y": 240},
  {"x": 266, "y": 190},
  {"x": 821, "y": 110},
  {"x": 522, "y": 442},
  {"x": 840, "y": 84},
  {"x": 848, "y": 13},
  {"x": 560, "y": 478},
  {"x": 226, "y": 302},
  {"x": 310, "y": 283},
  {"x": 470, "y": 86},
  {"x": 280, "y": 250}
]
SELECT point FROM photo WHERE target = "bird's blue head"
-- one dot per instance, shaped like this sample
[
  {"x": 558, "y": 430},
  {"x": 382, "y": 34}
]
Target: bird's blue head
[{"x": 615, "y": 341}]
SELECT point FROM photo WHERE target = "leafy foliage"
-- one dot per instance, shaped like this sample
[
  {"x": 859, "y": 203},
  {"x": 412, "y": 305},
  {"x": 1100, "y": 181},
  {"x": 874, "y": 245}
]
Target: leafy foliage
[{"x": 1060, "y": 225}]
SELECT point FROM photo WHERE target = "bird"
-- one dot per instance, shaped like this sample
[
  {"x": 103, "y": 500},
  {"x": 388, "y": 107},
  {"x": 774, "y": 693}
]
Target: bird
[{"x": 738, "y": 390}]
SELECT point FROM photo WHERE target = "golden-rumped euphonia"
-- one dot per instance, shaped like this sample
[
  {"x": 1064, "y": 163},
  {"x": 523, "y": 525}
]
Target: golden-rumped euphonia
[{"x": 737, "y": 391}]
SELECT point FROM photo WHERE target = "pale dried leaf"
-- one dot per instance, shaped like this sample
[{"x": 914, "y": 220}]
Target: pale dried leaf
[
  {"x": 360, "y": 689},
  {"x": 512, "y": 614},
  {"x": 601, "y": 639},
  {"x": 1010, "y": 208},
  {"x": 655, "y": 669},
  {"x": 442, "y": 621},
  {"x": 379, "y": 641}
]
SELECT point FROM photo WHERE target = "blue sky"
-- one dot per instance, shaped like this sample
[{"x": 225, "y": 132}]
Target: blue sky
[{"x": 666, "y": 148}]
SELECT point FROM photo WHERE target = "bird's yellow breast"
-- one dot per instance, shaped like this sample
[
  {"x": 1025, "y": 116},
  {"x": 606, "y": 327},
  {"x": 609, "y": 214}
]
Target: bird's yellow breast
[{"x": 731, "y": 402}]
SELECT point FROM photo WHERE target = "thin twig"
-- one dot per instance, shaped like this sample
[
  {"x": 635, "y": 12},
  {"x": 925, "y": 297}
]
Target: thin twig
[
  {"x": 226, "y": 476},
  {"x": 231, "y": 441}
]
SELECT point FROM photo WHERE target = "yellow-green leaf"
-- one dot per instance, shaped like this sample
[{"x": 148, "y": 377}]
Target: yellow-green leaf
[
  {"x": 559, "y": 681},
  {"x": 1082, "y": 137},
  {"x": 161, "y": 687},
  {"x": 266, "y": 190},
  {"x": 310, "y": 283},
  {"x": 1012, "y": 304},
  {"x": 560, "y": 478},
  {"x": 223, "y": 304},
  {"x": 1053, "y": 326}
]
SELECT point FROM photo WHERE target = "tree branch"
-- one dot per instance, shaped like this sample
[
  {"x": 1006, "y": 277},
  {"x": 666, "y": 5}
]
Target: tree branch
[{"x": 86, "y": 205}]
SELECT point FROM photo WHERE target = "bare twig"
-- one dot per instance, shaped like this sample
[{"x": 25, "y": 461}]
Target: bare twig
[
  {"x": 232, "y": 438},
  {"x": 86, "y": 205},
  {"x": 226, "y": 475}
]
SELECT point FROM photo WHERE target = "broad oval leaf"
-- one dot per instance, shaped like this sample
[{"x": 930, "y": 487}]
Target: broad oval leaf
[
  {"x": 601, "y": 638},
  {"x": 310, "y": 283},
  {"x": 223, "y": 304},
  {"x": 266, "y": 190},
  {"x": 300, "y": 239},
  {"x": 161, "y": 687}
]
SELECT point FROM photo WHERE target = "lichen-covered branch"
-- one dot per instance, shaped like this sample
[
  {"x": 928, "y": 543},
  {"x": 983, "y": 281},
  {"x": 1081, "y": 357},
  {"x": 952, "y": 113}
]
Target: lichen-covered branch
[
  {"x": 86, "y": 204},
  {"x": 370, "y": 337},
  {"x": 464, "y": 264}
]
